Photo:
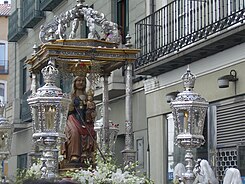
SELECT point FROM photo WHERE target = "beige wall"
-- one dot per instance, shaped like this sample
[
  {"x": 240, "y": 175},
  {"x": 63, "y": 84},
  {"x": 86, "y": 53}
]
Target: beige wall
[
  {"x": 206, "y": 85},
  {"x": 4, "y": 28}
]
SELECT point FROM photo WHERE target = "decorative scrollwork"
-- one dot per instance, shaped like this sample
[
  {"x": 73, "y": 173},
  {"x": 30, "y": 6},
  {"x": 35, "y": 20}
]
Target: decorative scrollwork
[{"x": 72, "y": 17}]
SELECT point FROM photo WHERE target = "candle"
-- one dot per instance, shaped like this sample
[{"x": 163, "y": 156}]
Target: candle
[{"x": 185, "y": 121}]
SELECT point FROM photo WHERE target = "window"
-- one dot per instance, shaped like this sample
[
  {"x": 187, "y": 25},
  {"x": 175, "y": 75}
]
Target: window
[
  {"x": 22, "y": 161},
  {"x": 2, "y": 52},
  {"x": 140, "y": 152},
  {"x": 2, "y": 92},
  {"x": 23, "y": 76},
  {"x": 65, "y": 84},
  {"x": 122, "y": 18},
  {"x": 24, "y": 80},
  {"x": 3, "y": 58}
]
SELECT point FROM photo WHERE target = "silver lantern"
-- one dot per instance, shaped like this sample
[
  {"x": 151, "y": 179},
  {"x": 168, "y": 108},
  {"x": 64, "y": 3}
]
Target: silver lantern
[
  {"x": 49, "y": 112},
  {"x": 6, "y": 132},
  {"x": 189, "y": 111}
]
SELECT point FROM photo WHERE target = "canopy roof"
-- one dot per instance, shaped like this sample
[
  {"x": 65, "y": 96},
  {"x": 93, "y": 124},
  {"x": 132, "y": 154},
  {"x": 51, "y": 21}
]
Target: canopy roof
[{"x": 76, "y": 53}]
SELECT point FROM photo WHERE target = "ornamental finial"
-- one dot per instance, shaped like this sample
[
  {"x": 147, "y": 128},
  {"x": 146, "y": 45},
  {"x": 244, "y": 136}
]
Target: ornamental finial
[
  {"x": 50, "y": 73},
  {"x": 188, "y": 80},
  {"x": 128, "y": 41}
]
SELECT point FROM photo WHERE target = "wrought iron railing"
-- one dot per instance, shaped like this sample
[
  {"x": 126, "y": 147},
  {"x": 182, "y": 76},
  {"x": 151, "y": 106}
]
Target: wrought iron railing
[
  {"x": 4, "y": 68},
  {"x": 182, "y": 23}
]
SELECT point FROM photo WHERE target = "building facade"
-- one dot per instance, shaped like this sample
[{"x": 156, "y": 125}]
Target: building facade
[
  {"x": 4, "y": 14},
  {"x": 206, "y": 35}
]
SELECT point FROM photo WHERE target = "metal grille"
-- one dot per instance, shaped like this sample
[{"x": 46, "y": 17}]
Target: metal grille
[
  {"x": 226, "y": 158},
  {"x": 230, "y": 134},
  {"x": 230, "y": 123}
]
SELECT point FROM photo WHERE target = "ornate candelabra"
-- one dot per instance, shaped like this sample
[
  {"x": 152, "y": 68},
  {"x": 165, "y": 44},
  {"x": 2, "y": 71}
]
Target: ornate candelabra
[
  {"x": 189, "y": 111},
  {"x": 6, "y": 132},
  {"x": 49, "y": 112}
]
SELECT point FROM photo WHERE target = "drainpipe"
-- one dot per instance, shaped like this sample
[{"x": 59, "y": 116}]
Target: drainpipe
[
  {"x": 148, "y": 167},
  {"x": 15, "y": 63},
  {"x": 152, "y": 6}
]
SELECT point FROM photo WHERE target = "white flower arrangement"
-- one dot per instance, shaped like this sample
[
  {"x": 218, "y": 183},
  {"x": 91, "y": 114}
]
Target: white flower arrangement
[
  {"x": 103, "y": 173},
  {"x": 108, "y": 173},
  {"x": 35, "y": 170},
  {"x": 33, "y": 173}
]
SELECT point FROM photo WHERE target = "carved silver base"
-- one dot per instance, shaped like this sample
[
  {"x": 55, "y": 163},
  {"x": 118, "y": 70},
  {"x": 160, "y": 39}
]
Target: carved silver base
[
  {"x": 128, "y": 156},
  {"x": 49, "y": 165},
  {"x": 188, "y": 142},
  {"x": 48, "y": 158},
  {"x": 189, "y": 175}
]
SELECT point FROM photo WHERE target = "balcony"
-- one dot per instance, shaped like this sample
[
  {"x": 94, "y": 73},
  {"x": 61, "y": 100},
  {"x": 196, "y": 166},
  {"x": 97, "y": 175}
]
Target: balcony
[
  {"x": 15, "y": 30},
  {"x": 4, "y": 69},
  {"x": 185, "y": 31},
  {"x": 25, "y": 112},
  {"x": 49, "y": 5},
  {"x": 31, "y": 14}
]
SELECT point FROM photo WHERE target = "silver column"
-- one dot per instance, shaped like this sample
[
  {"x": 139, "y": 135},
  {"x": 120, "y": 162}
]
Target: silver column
[
  {"x": 106, "y": 138},
  {"x": 128, "y": 152}
]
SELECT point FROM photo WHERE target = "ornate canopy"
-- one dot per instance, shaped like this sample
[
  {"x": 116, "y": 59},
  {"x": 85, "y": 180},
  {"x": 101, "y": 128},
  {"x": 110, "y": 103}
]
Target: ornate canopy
[{"x": 74, "y": 55}]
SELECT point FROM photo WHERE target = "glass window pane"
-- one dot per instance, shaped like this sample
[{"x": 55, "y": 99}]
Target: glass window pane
[
  {"x": 2, "y": 91},
  {"x": 22, "y": 161},
  {"x": 24, "y": 80},
  {"x": 122, "y": 17},
  {"x": 2, "y": 53},
  {"x": 177, "y": 155}
]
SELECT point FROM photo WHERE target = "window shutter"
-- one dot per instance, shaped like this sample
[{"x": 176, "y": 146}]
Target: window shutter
[
  {"x": 231, "y": 123},
  {"x": 230, "y": 134}
]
